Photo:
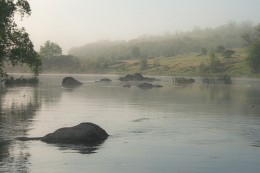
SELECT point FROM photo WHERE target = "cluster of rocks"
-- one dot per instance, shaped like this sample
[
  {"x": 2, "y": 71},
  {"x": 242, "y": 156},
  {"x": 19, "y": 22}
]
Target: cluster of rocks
[
  {"x": 136, "y": 77},
  {"x": 70, "y": 82}
]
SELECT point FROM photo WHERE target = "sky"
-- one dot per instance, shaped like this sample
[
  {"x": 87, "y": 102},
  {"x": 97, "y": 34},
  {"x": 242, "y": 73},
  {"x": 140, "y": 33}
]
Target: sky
[{"x": 73, "y": 23}]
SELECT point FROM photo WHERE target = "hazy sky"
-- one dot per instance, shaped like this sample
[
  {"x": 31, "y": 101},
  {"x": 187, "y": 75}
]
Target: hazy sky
[{"x": 72, "y": 23}]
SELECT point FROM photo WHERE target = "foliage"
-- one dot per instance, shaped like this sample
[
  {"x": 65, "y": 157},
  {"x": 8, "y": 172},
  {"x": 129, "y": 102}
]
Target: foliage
[
  {"x": 50, "y": 49},
  {"x": 62, "y": 63},
  {"x": 203, "y": 51},
  {"x": 182, "y": 80},
  {"x": 11, "y": 81},
  {"x": 135, "y": 51},
  {"x": 54, "y": 61},
  {"x": 220, "y": 79},
  {"x": 252, "y": 38},
  {"x": 227, "y": 53},
  {"x": 166, "y": 45},
  {"x": 220, "y": 49},
  {"x": 251, "y": 35},
  {"x": 214, "y": 62},
  {"x": 15, "y": 44},
  {"x": 254, "y": 56}
]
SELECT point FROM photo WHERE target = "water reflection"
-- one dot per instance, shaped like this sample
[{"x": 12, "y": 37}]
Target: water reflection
[
  {"x": 79, "y": 148},
  {"x": 151, "y": 127},
  {"x": 18, "y": 107}
]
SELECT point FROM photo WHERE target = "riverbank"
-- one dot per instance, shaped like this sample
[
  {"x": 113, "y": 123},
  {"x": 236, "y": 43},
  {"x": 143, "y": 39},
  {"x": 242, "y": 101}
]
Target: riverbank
[
  {"x": 180, "y": 65},
  {"x": 187, "y": 65}
]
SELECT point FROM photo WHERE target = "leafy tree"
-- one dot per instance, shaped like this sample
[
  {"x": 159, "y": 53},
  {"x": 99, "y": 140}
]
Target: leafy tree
[
  {"x": 135, "y": 52},
  {"x": 50, "y": 49},
  {"x": 254, "y": 56},
  {"x": 15, "y": 45}
]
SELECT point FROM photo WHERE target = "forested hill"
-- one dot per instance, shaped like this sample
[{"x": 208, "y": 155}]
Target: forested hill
[{"x": 165, "y": 45}]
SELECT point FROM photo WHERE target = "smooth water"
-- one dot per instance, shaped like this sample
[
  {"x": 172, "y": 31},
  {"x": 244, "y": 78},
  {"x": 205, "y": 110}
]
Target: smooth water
[{"x": 184, "y": 129}]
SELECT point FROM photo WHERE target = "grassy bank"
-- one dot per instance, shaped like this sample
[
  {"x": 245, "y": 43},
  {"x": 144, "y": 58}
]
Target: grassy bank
[{"x": 187, "y": 65}]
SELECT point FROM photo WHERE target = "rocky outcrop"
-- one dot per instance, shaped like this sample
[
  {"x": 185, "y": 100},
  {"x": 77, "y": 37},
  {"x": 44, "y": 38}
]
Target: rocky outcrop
[
  {"x": 70, "y": 82},
  {"x": 84, "y": 133},
  {"x": 136, "y": 77}
]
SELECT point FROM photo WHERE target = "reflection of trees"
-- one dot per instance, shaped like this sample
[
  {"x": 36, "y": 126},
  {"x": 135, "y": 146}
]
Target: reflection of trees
[
  {"x": 216, "y": 93},
  {"x": 17, "y": 107}
]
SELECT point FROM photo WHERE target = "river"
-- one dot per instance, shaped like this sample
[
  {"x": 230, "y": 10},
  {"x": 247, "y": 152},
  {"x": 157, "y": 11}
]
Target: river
[{"x": 195, "y": 128}]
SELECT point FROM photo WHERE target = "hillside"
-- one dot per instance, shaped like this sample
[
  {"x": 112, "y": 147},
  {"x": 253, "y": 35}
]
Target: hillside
[{"x": 185, "y": 65}]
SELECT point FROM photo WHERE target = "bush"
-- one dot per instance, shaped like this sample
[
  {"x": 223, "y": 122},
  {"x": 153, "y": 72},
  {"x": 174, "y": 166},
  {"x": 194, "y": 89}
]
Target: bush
[
  {"x": 227, "y": 53},
  {"x": 214, "y": 62}
]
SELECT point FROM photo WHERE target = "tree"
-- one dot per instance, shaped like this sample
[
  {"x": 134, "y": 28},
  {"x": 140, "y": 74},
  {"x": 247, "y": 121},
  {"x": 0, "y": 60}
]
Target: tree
[
  {"x": 50, "y": 49},
  {"x": 220, "y": 49},
  {"x": 254, "y": 56},
  {"x": 15, "y": 45},
  {"x": 143, "y": 64},
  {"x": 135, "y": 52}
]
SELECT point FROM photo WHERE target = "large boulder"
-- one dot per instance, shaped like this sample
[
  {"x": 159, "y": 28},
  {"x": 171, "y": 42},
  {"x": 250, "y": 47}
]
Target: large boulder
[
  {"x": 85, "y": 133},
  {"x": 70, "y": 82}
]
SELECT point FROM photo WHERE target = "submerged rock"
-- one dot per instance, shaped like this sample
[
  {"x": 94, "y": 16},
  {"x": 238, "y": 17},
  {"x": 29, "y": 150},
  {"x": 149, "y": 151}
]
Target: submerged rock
[
  {"x": 148, "y": 85},
  {"x": 84, "y": 133},
  {"x": 70, "y": 82},
  {"x": 104, "y": 80}
]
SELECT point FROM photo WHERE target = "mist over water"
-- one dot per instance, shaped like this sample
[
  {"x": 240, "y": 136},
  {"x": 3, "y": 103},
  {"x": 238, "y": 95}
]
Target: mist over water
[{"x": 195, "y": 128}]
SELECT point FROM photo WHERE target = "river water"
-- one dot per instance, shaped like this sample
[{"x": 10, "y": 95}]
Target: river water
[{"x": 184, "y": 129}]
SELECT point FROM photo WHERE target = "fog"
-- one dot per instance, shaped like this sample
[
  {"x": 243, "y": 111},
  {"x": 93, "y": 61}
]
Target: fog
[{"x": 75, "y": 23}]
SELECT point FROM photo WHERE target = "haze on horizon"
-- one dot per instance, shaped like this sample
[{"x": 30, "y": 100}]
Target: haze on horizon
[{"x": 75, "y": 23}]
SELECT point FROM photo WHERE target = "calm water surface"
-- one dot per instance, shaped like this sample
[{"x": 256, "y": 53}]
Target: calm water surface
[{"x": 184, "y": 129}]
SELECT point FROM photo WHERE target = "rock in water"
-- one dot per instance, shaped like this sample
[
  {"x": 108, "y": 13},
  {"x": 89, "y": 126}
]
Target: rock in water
[
  {"x": 146, "y": 85},
  {"x": 70, "y": 82},
  {"x": 87, "y": 133}
]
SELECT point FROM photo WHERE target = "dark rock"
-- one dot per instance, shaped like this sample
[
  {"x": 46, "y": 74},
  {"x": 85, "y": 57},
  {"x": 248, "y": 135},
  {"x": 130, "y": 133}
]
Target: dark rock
[
  {"x": 145, "y": 85},
  {"x": 136, "y": 77},
  {"x": 86, "y": 133},
  {"x": 70, "y": 82},
  {"x": 157, "y": 86}
]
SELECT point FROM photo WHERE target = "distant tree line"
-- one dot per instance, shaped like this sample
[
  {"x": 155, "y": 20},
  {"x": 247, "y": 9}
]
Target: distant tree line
[
  {"x": 167, "y": 45},
  {"x": 100, "y": 56}
]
